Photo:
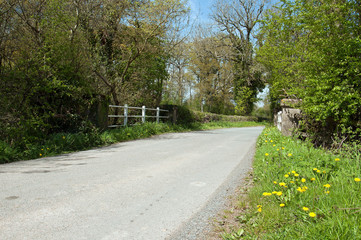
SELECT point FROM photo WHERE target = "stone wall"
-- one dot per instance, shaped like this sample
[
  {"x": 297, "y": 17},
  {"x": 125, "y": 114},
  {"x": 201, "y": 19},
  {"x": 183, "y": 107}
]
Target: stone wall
[{"x": 290, "y": 116}]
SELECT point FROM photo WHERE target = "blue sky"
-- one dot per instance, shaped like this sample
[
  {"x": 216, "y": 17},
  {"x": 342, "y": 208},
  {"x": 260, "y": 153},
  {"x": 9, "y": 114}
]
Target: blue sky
[{"x": 201, "y": 9}]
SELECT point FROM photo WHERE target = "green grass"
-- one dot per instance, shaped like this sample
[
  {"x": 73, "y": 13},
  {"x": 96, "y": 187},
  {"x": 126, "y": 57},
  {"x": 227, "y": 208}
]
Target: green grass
[
  {"x": 70, "y": 142},
  {"x": 315, "y": 181}
]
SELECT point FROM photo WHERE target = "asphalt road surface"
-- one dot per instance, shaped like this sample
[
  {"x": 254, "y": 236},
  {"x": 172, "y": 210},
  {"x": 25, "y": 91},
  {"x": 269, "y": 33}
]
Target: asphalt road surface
[{"x": 164, "y": 187}]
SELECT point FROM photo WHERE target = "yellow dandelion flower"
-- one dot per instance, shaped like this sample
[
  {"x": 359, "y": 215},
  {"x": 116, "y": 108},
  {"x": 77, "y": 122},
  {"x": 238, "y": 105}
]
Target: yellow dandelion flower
[
  {"x": 286, "y": 175},
  {"x": 327, "y": 192},
  {"x": 271, "y": 141},
  {"x": 312, "y": 214},
  {"x": 282, "y": 205},
  {"x": 279, "y": 193},
  {"x": 306, "y": 209},
  {"x": 293, "y": 172},
  {"x": 283, "y": 148},
  {"x": 337, "y": 159},
  {"x": 42, "y": 149},
  {"x": 305, "y": 187},
  {"x": 303, "y": 180},
  {"x": 267, "y": 194},
  {"x": 290, "y": 154},
  {"x": 323, "y": 171},
  {"x": 40, "y": 154},
  {"x": 357, "y": 179},
  {"x": 282, "y": 184},
  {"x": 318, "y": 171},
  {"x": 266, "y": 154},
  {"x": 63, "y": 137},
  {"x": 265, "y": 141},
  {"x": 292, "y": 181},
  {"x": 327, "y": 185},
  {"x": 47, "y": 148},
  {"x": 274, "y": 192},
  {"x": 278, "y": 149},
  {"x": 315, "y": 169},
  {"x": 274, "y": 145},
  {"x": 259, "y": 206},
  {"x": 313, "y": 179},
  {"x": 274, "y": 182},
  {"x": 296, "y": 174},
  {"x": 259, "y": 209}
]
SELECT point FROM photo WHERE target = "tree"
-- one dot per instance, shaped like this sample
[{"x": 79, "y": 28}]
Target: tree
[
  {"x": 312, "y": 51},
  {"x": 239, "y": 20},
  {"x": 120, "y": 34},
  {"x": 209, "y": 62}
]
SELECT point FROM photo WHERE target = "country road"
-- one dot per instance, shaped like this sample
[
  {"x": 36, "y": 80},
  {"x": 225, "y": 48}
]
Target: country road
[{"x": 164, "y": 187}]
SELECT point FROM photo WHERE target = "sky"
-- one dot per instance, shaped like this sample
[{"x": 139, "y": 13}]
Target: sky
[{"x": 200, "y": 10}]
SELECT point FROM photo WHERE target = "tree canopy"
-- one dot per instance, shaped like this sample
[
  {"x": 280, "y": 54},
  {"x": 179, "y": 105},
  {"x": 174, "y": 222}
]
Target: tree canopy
[{"x": 312, "y": 51}]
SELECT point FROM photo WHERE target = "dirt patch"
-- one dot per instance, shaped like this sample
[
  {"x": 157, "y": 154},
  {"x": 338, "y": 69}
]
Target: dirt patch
[{"x": 230, "y": 218}]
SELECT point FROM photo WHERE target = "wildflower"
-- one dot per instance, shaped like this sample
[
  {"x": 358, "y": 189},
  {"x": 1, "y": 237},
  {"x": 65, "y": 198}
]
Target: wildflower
[
  {"x": 279, "y": 193},
  {"x": 265, "y": 141},
  {"x": 274, "y": 145},
  {"x": 292, "y": 181},
  {"x": 274, "y": 192},
  {"x": 40, "y": 154},
  {"x": 259, "y": 206},
  {"x": 286, "y": 175},
  {"x": 282, "y": 184},
  {"x": 266, "y": 154},
  {"x": 337, "y": 159},
  {"x": 259, "y": 209},
  {"x": 323, "y": 171},
  {"x": 312, "y": 214},
  {"x": 296, "y": 174},
  {"x": 327, "y": 185},
  {"x": 327, "y": 192},
  {"x": 290, "y": 154},
  {"x": 278, "y": 149},
  {"x": 283, "y": 148},
  {"x": 303, "y": 180},
  {"x": 274, "y": 182},
  {"x": 293, "y": 172},
  {"x": 305, "y": 209},
  {"x": 318, "y": 171},
  {"x": 313, "y": 179},
  {"x": 301, "y": 190},
  {"x": 315, "y": 169},
  {"x": 282, "y": 205},
  {"x": 267, "y": 194},
  {"x": 357, "y": 179},
  {"x": 63, "y": 137},
  {"x": 265, "y": 134},
  {"x": 42, "y": 149},
  {"x": 47, "y": 148},
  {"x": 271, "y": 141}
]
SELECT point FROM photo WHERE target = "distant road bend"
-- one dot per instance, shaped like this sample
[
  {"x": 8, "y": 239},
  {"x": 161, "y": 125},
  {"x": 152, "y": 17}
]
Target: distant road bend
[{"x": 164, "y": 187}]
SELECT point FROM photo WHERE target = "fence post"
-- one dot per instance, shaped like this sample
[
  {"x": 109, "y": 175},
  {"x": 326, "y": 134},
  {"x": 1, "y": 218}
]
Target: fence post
[
  {"x": 125, "y": 115},
  {"x": 143, "y": 114},
  {"x": 158, "y": 114}
]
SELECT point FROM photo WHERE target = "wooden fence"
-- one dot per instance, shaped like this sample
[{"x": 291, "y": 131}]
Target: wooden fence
[{"x": 143, "y": 116}]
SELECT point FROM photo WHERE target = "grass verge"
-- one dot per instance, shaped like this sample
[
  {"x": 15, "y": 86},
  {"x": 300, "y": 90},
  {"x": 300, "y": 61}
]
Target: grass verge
[
  {"x": 70, "y": 142},
  {"x": 298, "y": 192}
]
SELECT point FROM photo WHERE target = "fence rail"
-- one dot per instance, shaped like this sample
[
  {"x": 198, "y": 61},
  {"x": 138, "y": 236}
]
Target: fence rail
[{"x": 143, "y": 116}]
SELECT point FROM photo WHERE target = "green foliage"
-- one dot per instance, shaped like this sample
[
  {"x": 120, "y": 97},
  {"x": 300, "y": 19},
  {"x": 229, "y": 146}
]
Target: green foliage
[
  {"x": 312, "y": 51},
  {"x": 306, "y": 180},
  {"x": 59, "y": 58}
]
